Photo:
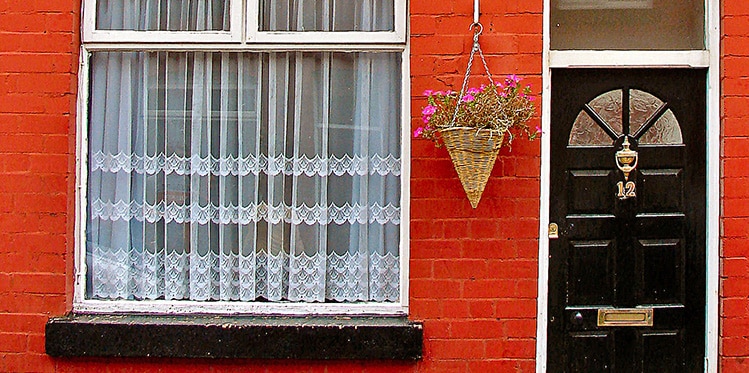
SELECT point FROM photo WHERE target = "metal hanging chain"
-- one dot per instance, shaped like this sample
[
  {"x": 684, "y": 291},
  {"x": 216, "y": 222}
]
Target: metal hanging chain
[{"x": 477, "y": 30}]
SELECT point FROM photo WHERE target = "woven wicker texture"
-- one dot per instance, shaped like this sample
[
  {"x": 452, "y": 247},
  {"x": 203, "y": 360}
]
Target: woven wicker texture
[{"x": 473, "y": 153}]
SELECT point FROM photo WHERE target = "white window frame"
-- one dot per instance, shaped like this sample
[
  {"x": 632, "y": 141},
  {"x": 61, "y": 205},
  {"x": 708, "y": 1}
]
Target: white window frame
[
  {"x": 92, "y": 35},
  {"x": 708, "y": 58},
  {"x": 244, "y": 26},
  {"x": 237, "y": 40}
]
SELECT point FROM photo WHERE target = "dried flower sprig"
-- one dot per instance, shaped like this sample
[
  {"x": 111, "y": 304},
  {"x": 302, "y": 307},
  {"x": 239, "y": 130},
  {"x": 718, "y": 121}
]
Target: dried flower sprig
[{"x": 501, "y": 106}]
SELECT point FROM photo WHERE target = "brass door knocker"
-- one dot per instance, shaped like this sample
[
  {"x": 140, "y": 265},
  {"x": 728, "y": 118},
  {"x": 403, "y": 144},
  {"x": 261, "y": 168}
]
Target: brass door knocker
[{"x": 626, "y": 161}]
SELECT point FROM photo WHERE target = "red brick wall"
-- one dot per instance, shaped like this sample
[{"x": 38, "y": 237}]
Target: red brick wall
[
  {"x": 734, "y": 304},
  {"x": 473, "y": 272},
  {"x": 38, "y": 62}
]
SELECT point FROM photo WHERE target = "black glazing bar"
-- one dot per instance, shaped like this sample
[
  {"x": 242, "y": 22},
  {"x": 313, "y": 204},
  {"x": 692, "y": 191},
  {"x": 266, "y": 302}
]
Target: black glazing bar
[
  {"x": 651, "y": 121},
  {"x": 625, "y": 110},
  {"x": 601, "y": 123}
]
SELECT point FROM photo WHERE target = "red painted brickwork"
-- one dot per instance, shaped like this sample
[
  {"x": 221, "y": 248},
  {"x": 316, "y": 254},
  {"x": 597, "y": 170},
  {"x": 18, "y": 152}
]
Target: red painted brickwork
[
  {"x": 734, "y": 303},
  {"x": 473, "y": 272},
  {"x": 38, "y": 62}
]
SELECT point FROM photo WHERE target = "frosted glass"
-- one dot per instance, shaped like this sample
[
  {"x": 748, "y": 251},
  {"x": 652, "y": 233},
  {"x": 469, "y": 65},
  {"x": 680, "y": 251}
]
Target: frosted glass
[
  {"x": 642, "y": 105},
  {"x": 628, "y": 24}
]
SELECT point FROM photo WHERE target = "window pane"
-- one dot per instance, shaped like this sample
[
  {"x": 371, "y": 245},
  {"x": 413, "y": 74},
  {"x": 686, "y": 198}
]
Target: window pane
[
  {"x": 628, "y": 24},
  {"x": 327, "y": 15},
  {"x": 162, "y": 15},
  {"x": 244, "y": 176}
]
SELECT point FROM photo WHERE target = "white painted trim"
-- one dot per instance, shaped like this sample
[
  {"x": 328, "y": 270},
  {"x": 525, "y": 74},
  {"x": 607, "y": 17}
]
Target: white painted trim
[
  {"x": 405, "y": 175},
  {"x": 257, "y": 47},
  {"x": 236, "y": 308},
  {"x": 321, "y": 37},
  {"x": 172, "y": 41},
  {"x": 713, "y": 190},
  {"x": 587, "y": 58},
  {"x": 81, "y": 156},
  {"x": 111, "y": 36},
  {"x": 629, "y": 59},
  {"x": 543, "y": 235}
]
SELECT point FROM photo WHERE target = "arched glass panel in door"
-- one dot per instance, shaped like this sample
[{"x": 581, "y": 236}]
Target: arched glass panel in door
[{"x": 649, "y": 120}]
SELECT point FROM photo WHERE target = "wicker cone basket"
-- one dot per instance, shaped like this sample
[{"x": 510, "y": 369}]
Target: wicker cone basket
[{"x": 473, "y": 152}]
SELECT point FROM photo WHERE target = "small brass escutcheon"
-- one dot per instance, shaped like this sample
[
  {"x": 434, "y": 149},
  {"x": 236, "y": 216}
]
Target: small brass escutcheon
[
  {"x": 625, "y": 317},
  {"x": 553, "y": 231}
]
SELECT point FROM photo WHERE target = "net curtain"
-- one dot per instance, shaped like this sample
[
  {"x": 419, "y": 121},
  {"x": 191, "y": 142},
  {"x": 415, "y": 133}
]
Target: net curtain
[{"x": 244, "y": 176}]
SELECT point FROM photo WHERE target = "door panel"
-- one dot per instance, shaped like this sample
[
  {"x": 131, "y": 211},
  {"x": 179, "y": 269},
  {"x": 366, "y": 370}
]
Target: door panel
[{"x": 627, "y": 242}]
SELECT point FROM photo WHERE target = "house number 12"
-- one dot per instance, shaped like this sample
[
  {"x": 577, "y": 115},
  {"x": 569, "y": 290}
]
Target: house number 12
[{"x": 626, "y": 190}]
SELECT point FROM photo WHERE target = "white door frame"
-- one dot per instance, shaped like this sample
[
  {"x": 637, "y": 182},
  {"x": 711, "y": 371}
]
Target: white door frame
[{"x": 709, "y": 59}]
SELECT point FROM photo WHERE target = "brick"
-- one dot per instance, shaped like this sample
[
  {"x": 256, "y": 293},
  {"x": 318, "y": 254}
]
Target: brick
[
  {"x": 736, "y": 187},
  {"x": 38, "y": 283},
  {"x": 735, "y": 346},
  {"x": 736, "y": 167},
  {"x": 734, "y": 24},
  {"x": 735, "y": 107},
  {"x": 516, "y": 269},
  {"x": 734, "y": 307},
  {"x": 457, "y": 349},
  {"x": 734, "y": 327},
  {"x": 435, "y": 288},
  {"x": 22, "y": 322},
  {"x": 494, "y": 365},
  {"x": 460, "y": 269},
  {"x": 511, "y": 348},
  {"x": 483, "y": 288},
  {"x": 515, "y": 308},
  {"x": 735, "y": 287},
  {"x": 734, "y": 365},
  {"x": 736, "y": 227},
  {"x": 12, "y": 342},
  {"x": 735, "y": 8},
  {"x": 477, "y": 329},
  {"x": 735, "y": 267},
  {"x": 481, "y": 308},
  {"x": 519, "y": 328},
  {"x": 28, "y": 363}
]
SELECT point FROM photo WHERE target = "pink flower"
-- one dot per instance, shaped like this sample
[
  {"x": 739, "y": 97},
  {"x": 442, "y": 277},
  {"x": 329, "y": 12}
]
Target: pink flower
[
  {"x": 418, "y": 131},
  {"x": 512, "y": 80},
  {"x": 426, "y": 118},
  {"x": 428, "y": 92},
  {"x": 473, "y": 91},
  {"x": 468, "y": 98},
  {"x": 429, "y": 110},
  {"x": 531, "y": 98}
]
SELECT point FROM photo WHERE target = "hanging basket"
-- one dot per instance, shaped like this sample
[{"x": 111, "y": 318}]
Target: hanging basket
[{"x": 473, "y": 152}]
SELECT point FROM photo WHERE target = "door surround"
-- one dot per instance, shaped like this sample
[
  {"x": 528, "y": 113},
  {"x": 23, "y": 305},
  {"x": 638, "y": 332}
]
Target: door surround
[{"x": 709, "y": 59}]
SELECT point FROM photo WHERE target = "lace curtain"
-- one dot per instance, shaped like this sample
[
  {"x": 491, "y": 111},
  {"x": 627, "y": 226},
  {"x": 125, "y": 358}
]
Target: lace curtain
[{"x": 244, "y": 176}]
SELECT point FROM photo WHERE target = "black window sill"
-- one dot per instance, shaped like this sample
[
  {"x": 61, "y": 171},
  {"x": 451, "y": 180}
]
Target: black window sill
[{"x": 366, "y": 338}]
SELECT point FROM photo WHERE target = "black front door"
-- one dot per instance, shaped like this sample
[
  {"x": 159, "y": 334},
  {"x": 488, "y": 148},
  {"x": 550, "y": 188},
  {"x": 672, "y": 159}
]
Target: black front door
[{"x": 627, "y": 207}]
